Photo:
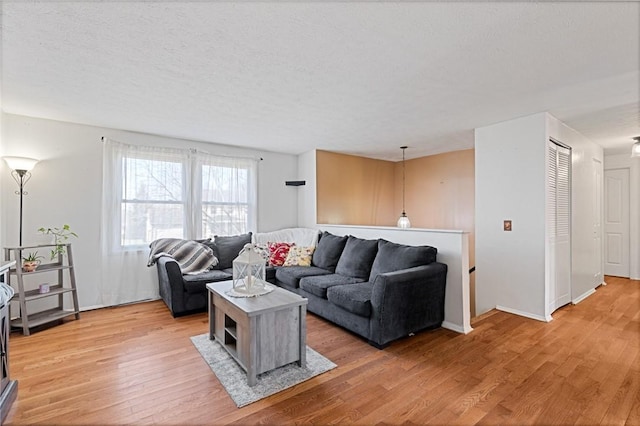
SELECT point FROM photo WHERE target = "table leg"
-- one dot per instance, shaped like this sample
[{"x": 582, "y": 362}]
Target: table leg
[
  {"x": 303, "y": 336},
  {"x": 253, "y": 353},
  {"x": 212, "y": 317}
]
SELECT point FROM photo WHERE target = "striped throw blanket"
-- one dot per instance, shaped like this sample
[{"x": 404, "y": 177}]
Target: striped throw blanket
[{"x": 192, "y": 256}]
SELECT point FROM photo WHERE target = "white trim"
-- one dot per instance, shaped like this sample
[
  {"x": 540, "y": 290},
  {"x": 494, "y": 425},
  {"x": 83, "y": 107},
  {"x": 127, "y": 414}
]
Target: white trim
[
  {"x": 548, "y": 318},
  {"x": 395, "y": 228},
  {"x": 624, "y": 161},
  {"x": 583, "y": 296},
  {"x": 455, "y": 327}
]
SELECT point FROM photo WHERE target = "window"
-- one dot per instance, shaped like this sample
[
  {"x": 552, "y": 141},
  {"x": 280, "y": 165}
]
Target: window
[
  {"x": 159, "y": 193},
  {"x": 228, "y": 195},
  {"x": 153, "y": 205}
]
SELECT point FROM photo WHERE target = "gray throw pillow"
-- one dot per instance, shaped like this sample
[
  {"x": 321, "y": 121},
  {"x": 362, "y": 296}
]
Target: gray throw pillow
[
  {"x": 227, "y": 248},
  {"x": 357, "y": 257},
  {"x": 395, "y": 257},
  {"x": 328, "y": 251}
]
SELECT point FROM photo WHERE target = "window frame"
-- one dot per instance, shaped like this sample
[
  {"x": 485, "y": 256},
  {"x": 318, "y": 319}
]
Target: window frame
[{"x": 192, "y": 191}]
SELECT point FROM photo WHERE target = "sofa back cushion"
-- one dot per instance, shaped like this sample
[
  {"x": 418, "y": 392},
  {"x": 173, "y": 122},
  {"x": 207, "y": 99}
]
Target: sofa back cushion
[
  {"x": 328, "y": 251},
  {"x": 227, "y": 248},
  {"x": 357, "y": 257},
  {"x": 303, "y": 237},
  {"x": 395, "y": 257}
]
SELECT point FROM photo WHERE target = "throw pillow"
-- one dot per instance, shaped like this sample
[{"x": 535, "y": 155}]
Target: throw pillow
[
  {"x": 357, "y": 257},
  {"x": 278, "y": 253},
  {"x": 394, "y": 257},
  {"x": 299, "y": 256},
  {"x": 227, "y": 248},
  {"x": 328, "y": 251}
]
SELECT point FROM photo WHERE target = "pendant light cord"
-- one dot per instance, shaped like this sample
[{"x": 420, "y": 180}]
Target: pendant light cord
[{"x": 403, "y": 178}]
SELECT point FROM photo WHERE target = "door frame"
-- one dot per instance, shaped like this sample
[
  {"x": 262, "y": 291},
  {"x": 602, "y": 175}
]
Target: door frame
[{"x": 628, "y": 214}]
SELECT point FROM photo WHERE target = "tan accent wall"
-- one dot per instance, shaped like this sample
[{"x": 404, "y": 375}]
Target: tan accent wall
[
  {"x": 440, "y": 193},
  {"x": 354, "y": 190}
]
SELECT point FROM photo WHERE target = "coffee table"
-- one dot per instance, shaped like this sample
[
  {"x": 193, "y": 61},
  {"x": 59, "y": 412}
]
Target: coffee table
[{"x": 261, "y": 333}]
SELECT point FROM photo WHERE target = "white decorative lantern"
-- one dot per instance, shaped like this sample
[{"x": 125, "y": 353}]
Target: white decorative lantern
[{"x": 249, "y": 272}]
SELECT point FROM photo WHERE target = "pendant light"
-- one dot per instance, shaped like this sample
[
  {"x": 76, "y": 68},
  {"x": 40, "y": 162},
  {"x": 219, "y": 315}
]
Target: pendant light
[
  {"x": 403, "y": 221},
  {"x": 635, "y": 148}
]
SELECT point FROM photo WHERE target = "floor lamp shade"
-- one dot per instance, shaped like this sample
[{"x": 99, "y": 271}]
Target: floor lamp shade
[{"x": 20, "y": 163}]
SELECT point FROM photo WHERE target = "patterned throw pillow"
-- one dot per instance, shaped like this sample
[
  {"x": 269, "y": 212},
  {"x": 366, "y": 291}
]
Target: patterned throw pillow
[
  {"x": 278, "y": 253},
  {"x": 299, "y": 256}
]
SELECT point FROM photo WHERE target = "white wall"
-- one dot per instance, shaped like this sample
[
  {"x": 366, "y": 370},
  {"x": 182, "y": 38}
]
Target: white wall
[
  {"x": 584, "y": 260},
  {"x": 510, "y": 184},
  {"x": 66, "y": 186},
  {"x": 453, "y": 250},
  {"x": 510, "y": 176},
  {"x": 624, "y": 161},
  {"x": 3, "y": 176},
  {"x": 307, "y": 200}
]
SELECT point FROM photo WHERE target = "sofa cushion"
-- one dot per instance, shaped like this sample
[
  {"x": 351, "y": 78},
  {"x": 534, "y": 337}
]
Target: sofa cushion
[
  {"x": 227, "y": 248},
  {"x": 318, "y": 285},
  {"x": 270, "y": 273},
  {"x": 299, "y": 256},
  {"x": 328, "y": 251},
  {"x": 278, "y": 253},
  {"x": 197, "y": 283},
  {"x": 355, "y": 298},
  {"x": 291, "y": 275},
  {"x": 394, "y": 257},
  {"x": 357, "y": 257}
]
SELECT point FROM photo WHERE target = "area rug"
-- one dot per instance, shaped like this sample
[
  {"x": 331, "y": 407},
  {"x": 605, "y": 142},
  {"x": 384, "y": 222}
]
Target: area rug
[{"x": 234, "y": 378}]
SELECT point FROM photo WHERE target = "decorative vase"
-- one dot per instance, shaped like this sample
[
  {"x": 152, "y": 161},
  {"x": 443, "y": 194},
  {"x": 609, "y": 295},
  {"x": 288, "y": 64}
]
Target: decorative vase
[{"x": 30, "y": 266}]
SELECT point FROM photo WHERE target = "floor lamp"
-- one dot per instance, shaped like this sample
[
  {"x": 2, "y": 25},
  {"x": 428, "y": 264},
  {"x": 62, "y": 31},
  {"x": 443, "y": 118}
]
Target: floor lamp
[{"x": 20, "y": 167}]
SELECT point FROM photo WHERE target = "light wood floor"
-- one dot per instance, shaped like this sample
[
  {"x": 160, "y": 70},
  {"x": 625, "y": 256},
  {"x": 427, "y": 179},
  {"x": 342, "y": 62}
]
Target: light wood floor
[{"x": 136, "y": 365}]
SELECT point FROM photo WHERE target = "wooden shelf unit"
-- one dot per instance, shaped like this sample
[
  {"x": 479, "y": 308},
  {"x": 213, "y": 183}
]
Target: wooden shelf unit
[{"x": 26, "y": 319}]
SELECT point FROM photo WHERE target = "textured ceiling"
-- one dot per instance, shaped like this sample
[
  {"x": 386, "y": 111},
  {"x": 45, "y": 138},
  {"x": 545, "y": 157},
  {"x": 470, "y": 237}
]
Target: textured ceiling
[{"x": 354, "y": 77}]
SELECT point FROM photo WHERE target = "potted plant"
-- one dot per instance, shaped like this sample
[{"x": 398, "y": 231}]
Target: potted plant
[
  {"x": 31, "y": 261},
  {"x": 60, "y": 237}
]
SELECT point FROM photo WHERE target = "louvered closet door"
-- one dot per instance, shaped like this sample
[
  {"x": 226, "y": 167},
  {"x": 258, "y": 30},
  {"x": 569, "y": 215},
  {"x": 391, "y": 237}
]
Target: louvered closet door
[{"x": 559, "y": 225}]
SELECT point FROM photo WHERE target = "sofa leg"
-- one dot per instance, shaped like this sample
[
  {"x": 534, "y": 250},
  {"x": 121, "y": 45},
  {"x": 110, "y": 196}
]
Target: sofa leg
[{"x": 376, "y": 345}]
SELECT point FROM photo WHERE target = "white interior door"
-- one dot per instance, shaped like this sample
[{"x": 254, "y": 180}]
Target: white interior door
[
  {"x": 616, "y": 223},
  {"x": 559, "y": 225}
]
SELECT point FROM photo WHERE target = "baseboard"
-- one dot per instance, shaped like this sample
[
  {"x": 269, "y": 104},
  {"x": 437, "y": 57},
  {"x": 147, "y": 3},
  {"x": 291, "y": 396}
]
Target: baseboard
[
  {"x": 583, "y": 296},
  {"x": 455, "y": 327},
  {"x": 93, "y": 307},
  {"x": 524, "y": 314}
]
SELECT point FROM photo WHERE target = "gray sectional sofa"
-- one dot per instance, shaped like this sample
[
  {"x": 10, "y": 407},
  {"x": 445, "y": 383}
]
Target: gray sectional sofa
[{"x": 377, "y": 289}]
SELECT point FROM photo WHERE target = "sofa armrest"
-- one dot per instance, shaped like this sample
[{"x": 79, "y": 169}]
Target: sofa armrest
[
  {"x": 170, "y": 284},
  {"x": 406, "y": 301}
]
